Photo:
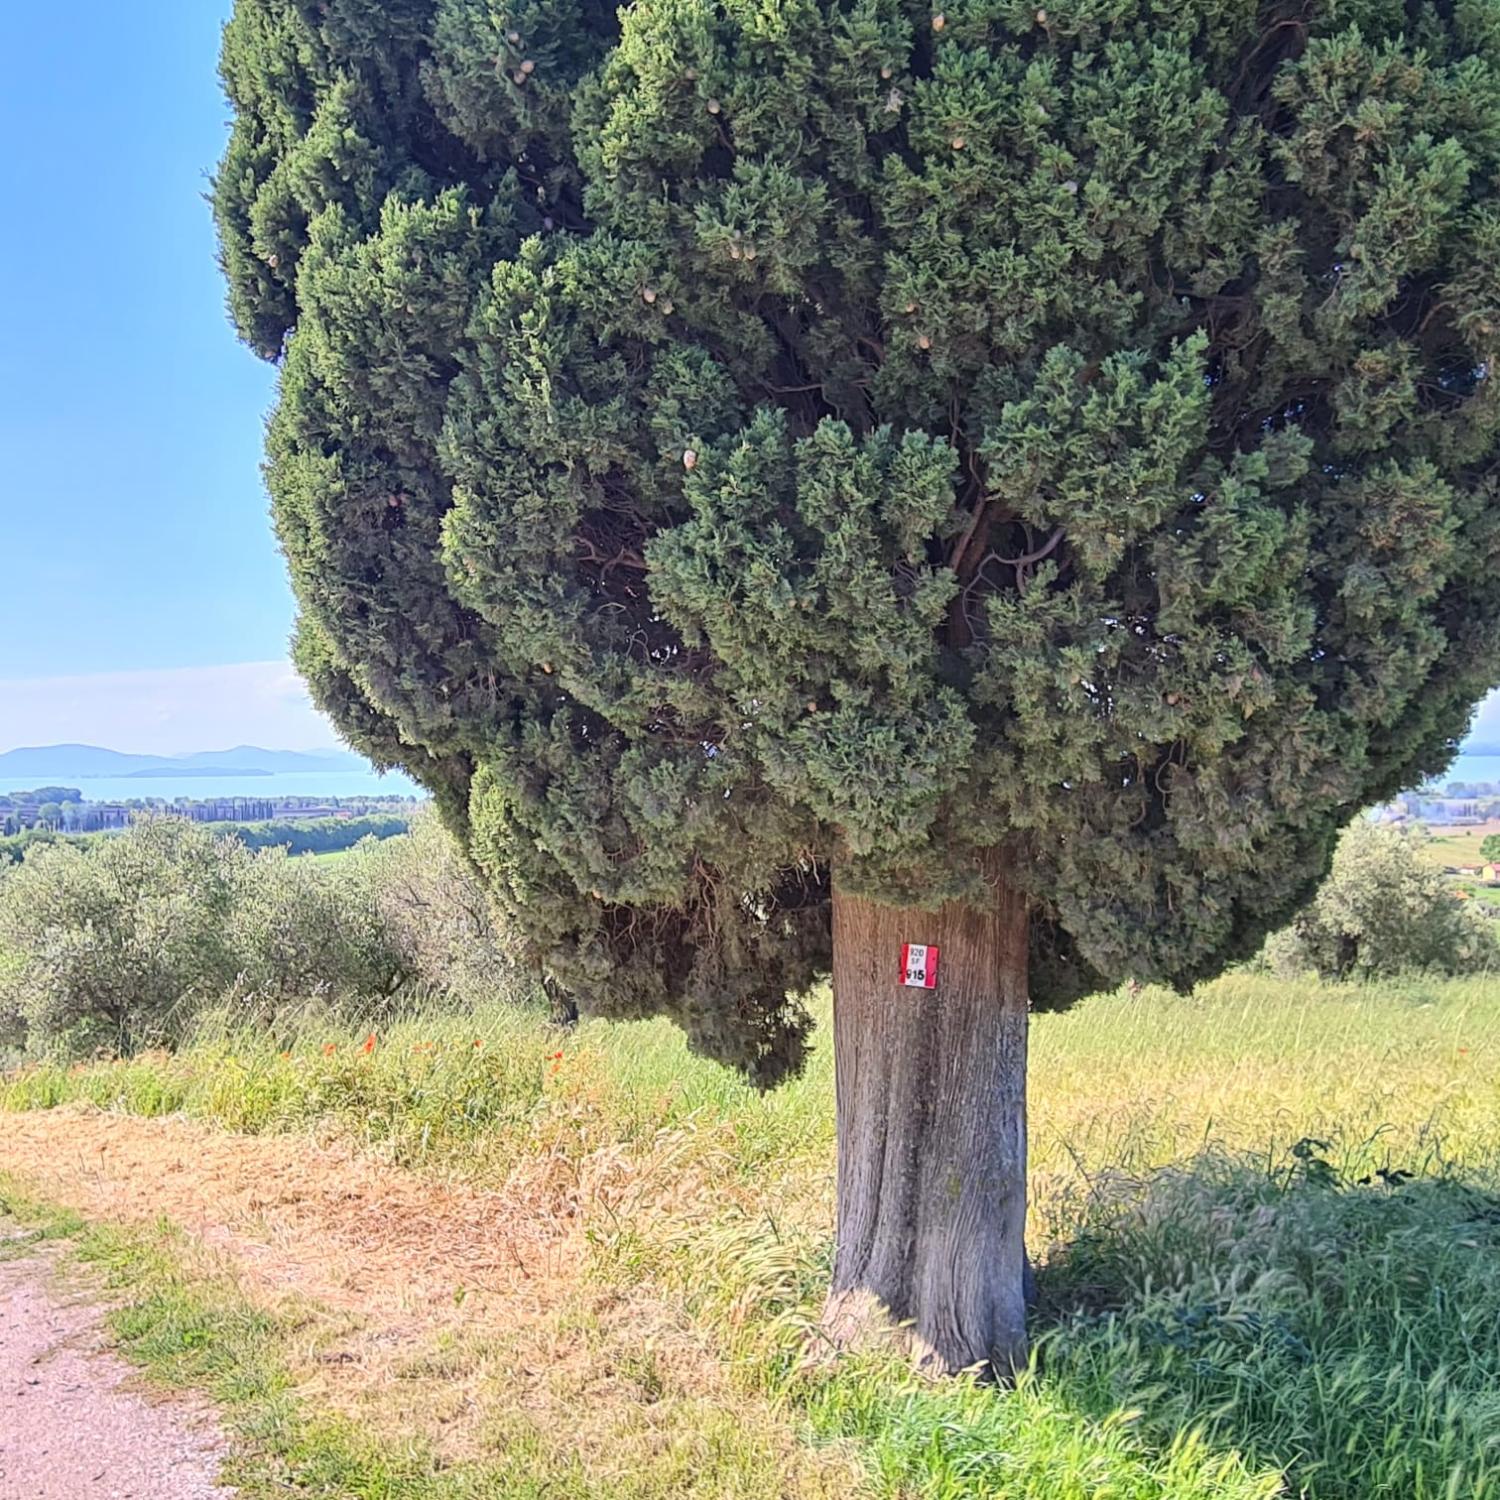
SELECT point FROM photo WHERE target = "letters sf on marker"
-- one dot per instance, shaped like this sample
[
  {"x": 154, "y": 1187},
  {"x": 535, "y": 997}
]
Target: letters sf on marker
[{"x": 919, "y": 964}]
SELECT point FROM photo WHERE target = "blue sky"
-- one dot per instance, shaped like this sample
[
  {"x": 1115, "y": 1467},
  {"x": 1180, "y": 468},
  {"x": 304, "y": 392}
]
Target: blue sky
[
  {"x": 143, "y": 603},
  {"x": 133, "y": 530}
]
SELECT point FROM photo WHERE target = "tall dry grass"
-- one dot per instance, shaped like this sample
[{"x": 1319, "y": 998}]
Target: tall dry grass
[{"x": 1268, "y": 1219}]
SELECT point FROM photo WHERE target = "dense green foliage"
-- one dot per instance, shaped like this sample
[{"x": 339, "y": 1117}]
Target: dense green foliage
[
  {"x": 117, "y": 943},
  {"x": 13, "y": 847},
  {"x": 121, "y": 941},
  {"x": 317, "y": 835},
  {"x": 1383, "y": 911},
  {"x": 724, "y": 442},
  {"x": 439, "y": 916},
  {"x": 294, "y": 835},
  {"x": 1489, "y": 849}
]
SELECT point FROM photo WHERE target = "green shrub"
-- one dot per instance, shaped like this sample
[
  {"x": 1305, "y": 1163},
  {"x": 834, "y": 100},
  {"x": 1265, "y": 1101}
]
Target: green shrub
[
  {"x": 112, "y": 944},
  {"x": 436, "y": 910},
  {"x": 303, "y": 930},
  {"x": 1383, "y": 912},
  {"x": 13, "y": 847},
  {"x": 12, "y": 1024},
  {"x": 120, "y": 943},
  {"x": 318, "y": 835},
  {"x": 123, "y": 942}
]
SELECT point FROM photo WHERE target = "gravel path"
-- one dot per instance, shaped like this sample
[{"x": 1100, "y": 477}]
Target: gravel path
[{"x": 72, "y": 1427}]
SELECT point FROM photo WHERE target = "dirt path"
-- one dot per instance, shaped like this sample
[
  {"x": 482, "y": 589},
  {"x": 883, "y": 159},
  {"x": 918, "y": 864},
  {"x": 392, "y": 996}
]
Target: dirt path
[{"x": 71, "y": 1426}]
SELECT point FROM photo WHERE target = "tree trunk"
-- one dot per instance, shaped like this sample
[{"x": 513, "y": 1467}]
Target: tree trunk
[{"x": 931, "y": 1098}]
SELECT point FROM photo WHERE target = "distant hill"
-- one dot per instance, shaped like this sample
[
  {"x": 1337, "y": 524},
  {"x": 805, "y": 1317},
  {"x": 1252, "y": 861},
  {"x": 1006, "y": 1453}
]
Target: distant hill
[
  {"x": 176, "y": 773},
  {"x": 79, "y": 762},
  {"x": 253, "y": 758}
]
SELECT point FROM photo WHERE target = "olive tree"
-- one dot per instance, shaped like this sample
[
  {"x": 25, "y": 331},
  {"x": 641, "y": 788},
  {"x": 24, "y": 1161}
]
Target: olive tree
[{"x": 1384, "y": 910}]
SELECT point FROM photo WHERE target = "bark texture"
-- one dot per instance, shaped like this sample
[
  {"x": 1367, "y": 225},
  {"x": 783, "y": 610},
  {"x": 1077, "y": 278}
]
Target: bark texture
[{"x": 931, "y": 1097}]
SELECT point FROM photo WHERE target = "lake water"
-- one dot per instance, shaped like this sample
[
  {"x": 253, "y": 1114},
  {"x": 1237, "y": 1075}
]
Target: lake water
[
  {"x": 168, "y": 788},
  {"x": 394, "y": 784}
]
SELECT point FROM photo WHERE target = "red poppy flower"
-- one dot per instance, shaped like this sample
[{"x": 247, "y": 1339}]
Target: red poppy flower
[
  {"x": 369, "y": 1045},
  {"x": 329, "y": 1049},
  {"x": 478, "y": 1043}
]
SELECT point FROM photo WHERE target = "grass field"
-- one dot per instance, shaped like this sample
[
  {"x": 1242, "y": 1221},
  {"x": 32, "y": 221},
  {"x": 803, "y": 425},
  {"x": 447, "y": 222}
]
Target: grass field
[
  {"x": 1458, "y": 846},
  {"x": 1267, "y": 1217}
]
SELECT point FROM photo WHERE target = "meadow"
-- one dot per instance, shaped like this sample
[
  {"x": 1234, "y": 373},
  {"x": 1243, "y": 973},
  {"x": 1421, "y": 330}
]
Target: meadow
[
  {"x": 1266, "y": 1219},
  {"x": 1458, "y": 846}
]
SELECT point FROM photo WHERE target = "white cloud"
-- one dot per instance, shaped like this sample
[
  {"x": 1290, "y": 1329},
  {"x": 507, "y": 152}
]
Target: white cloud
[{"x": 174, "y": 711}]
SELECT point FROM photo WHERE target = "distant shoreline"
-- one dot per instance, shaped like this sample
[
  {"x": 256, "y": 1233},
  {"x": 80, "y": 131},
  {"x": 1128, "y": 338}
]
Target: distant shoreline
[
  {"x": 200, "y": 783},
  {"x": 161, "y": 773}
]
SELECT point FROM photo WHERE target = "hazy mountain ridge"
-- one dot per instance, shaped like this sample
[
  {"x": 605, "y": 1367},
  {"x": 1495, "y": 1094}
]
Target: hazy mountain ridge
[{"x": 84, "y": 761}]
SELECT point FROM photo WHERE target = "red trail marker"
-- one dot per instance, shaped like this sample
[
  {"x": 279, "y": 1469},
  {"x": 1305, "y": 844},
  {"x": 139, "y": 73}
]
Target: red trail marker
[{"x": 919, "y": 964}]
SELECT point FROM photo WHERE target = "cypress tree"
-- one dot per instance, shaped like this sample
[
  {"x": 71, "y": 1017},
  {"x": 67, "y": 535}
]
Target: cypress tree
[{"x": 800, "y": 479}]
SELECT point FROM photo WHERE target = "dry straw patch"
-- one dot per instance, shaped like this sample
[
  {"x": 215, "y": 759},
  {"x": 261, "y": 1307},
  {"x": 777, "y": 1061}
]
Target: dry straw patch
[
  {"x": 320, "y": 1220},
  {"x": 435, "y": 1309}
]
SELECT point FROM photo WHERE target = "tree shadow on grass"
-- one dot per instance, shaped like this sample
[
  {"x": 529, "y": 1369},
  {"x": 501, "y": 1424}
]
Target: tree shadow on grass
[{"x": 1345, "y": 1332}]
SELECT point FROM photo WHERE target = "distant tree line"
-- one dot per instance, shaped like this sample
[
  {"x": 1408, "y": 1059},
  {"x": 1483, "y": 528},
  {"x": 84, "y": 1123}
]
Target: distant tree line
[
  {"x": 60, "y": 809},
  {"x": 42, "y": 806},
  {"x": 1472, "y": 789},
  {"x": 265, "y": 809},
  {"x": 294, "y": 835},
  {"x": 1459, "y": 802}
]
